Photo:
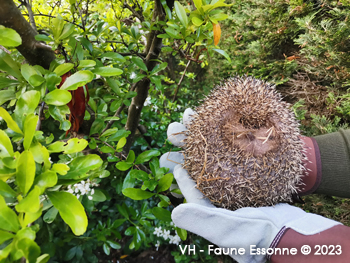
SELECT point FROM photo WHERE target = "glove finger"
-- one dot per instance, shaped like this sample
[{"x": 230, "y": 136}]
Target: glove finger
[
  {"x": 225, "y": 230},
  {"x": 176, "y": 133},
  {"x": 188, "y": 116},
  {"x": 170, "y": 160},
  {"x": 188, "y": 187}
]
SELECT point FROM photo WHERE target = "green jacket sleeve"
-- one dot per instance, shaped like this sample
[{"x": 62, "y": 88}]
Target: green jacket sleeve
[{"x": 335, "y": 158}]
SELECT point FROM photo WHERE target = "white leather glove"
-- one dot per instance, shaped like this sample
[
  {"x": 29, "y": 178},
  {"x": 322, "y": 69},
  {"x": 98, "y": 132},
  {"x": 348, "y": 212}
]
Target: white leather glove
[{"x": 248, "y": 228}]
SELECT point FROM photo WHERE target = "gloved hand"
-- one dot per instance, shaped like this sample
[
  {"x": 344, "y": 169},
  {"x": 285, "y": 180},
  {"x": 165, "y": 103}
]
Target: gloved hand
[{"x": 248, "y": 228}]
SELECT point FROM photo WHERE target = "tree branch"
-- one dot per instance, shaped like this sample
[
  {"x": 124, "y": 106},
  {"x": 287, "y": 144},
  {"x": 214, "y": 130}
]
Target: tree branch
[
  {"x": 30, "y": 13},
  {"x": 181, "y": 79},
  {"x": 153, "y": 48},
  {"x": 36, "y": 53}
]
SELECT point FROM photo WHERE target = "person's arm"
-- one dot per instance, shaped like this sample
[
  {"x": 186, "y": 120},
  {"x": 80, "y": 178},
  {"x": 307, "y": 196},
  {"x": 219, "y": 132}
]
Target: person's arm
[
  {"x": 328, "y": 165},
  {"x": 328, "y": 244}
]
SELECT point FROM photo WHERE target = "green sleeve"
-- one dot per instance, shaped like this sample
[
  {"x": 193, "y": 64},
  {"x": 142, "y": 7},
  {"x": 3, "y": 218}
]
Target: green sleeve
[{"x": 335, "y": 158}]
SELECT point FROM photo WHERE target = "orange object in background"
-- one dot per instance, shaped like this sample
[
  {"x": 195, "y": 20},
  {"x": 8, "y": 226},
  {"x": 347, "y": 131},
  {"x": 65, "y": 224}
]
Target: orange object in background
[
  {"x": 76, "y": 106},
  {"x": 217, "y": 33}
]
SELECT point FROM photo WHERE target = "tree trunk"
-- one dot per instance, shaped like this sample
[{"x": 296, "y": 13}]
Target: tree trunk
[
  {"x": 35, "y": 52},
  {"x": 153, "y": 48}
]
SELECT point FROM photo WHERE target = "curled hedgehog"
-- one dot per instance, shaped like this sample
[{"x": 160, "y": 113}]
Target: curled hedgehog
[{"x": 243, "y": 146}]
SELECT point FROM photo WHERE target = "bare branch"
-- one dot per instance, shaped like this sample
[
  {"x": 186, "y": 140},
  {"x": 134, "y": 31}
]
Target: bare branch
[{"x": 180, "y": 81}]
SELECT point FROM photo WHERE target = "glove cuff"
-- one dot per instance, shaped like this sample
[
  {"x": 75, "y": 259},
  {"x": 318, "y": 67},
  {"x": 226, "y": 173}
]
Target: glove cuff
[{"x": 277, "y": 239}]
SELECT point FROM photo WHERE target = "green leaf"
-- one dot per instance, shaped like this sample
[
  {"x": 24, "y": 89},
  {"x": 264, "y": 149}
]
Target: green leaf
[
  {"x": 106, "y": 249},
  {"x": 197, "y": 3},
  {"x": 86, "y": 64},
  {"x": 113, "y": 56},
  {"x": 158, "y": 68},
  {"x": 182, "y": 233},
  {"x": 78, "y": 79},
  {"x": 31, "y": 203},
  {"x": 181, "y": 14},
  {"x": 71, "y": 211},
  {"x": 113, "y": 244},
  {"x": 31, "y": 217},
  {"x": 97, "y": 126},
  {"x": 71, "y": 146},
  {"x": 45, "y": 180},
  {"x": 146, "y": 156},
  {"x": 6, "y": 95},
  {"x": 43, "y": 258},
  {"x": 26, "y": 104},
  {"x": 75, "y": 145},
  {"x": 29, "y": 249},
  {"x": 219, "y": 16},
  {"x": 11, "y": 124},
  {"x": 197, "y": 21},
  {"x": 57, "y": 26},
  {"x": 98, "y": 196},
  {"x": 8, "y": 218},
  {"x": 129, "y": 181},
  {"x": 8, "y": 65},
  {"x": 131, "y": 156},
  {"x": 6, "y": 82},
  {"x": 173, "y": 33},
  {"x": 139, "y": 174},
  {"x": 107, "y": 71},
  {"x": 50, "y": 215},
  {"x": 81, "y": 165},
  {"x": 25, "y": 171},
  {"x": 139, "y": 62},
  {"x": 6, "y": 190},
  {"x": 44, "y": 38},
  {"x": 109, "y": 132},
  {"x": 29, "y": 130},
  {"x": 137, "y": 194},
  {"x": 4, "y": 235},
  {"x": 63, "y": 68},
  {"x": 121, "y": 143},
  {"x": 60, "y": 168},
  {"x": 223, "y": 53},
  {"x": 161, "y": 214},
  {"x": 123, "y": 166},
  {"x": 58, "y": 97},
  {"x": 6, "y": 149},
  {"x": 9, "y": 37},
  {"x": 165, "y": 183},
  {"x": 28, "y": 72},
  {"x": 68, "y": 29},
  {"x": 166, "y": 8}
]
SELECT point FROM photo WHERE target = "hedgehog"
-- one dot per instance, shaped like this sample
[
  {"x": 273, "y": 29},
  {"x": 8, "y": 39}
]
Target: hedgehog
[{"x": 243, "y": 146}]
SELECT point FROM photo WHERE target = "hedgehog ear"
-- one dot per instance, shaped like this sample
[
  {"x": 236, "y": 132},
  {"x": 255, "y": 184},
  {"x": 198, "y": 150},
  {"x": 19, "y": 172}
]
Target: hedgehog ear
[{"x": 188, "y": 116}]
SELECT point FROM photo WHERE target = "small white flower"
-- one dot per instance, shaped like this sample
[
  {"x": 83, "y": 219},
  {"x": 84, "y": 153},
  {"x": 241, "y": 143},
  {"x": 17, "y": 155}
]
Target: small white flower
[
  {"x": 175, "y": 240},
  {"x": 83, "y": 191},
  {"x": 147, "y": 101},
  {"x": 158, "y": 231},
  {"x": 157, "y": 245},
  {"x": 78, "y": 196},
  {"x": 70, "y": 191},
  {"x": 166, "y": 234},
  {"x": 90, "y": 197},
  {"x": 92, "y": 191},
  {"x": 76, "y": 190},
  {"x": 132, "y": 75}
]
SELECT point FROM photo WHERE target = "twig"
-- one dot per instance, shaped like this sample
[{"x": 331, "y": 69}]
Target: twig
[
  {"x": 180, "y": 81},
  {"x": 38, "y": 125},
  {"x": 40, "y": 14},
  {"x": 136, "y": 14}
]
